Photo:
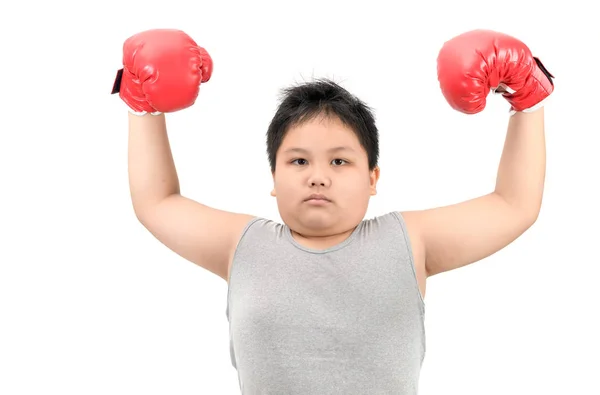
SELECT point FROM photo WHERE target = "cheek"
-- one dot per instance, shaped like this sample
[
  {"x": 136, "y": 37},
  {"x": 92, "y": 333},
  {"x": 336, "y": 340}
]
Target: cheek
[
  {"x": 353, "y": 190},
  {"x": 354, "y": 182},
  {"x": 285, "y": 186}
]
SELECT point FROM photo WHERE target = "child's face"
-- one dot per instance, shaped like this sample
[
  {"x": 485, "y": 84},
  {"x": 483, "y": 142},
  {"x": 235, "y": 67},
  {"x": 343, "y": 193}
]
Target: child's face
[{"x": 310, "y": 161}]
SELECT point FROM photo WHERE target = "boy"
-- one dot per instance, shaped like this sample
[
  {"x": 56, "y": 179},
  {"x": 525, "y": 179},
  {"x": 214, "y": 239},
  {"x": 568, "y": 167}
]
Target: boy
[{"x": 328, "y": 302}]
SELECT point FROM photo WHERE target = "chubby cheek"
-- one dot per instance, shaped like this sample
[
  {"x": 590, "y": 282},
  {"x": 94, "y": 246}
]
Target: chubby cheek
[
  {"x": 286, "y": 191},
  {"x": 353, "y": 192},
  {"x": 355, "y": 183},
  {"x": 287, "y": 188}
]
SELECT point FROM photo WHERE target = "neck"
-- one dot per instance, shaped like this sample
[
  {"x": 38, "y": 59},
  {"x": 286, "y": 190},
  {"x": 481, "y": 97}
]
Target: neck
[{"x": 321, "y": 242}]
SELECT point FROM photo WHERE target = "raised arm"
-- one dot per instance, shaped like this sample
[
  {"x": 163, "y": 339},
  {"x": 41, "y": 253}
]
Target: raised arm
[
  {"x": 456, "y": 235},
  {"x": 162, "y": 72},
  {"x": 469, "y": 67},
  {"x": 201, "y": 234}
]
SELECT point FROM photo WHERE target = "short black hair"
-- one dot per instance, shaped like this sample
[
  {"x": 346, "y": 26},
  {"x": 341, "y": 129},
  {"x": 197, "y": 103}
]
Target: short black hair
[{"x": 322, "y": 96}]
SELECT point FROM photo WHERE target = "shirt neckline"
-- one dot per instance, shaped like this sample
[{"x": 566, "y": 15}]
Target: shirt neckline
[{"x": 340, "y": 245}]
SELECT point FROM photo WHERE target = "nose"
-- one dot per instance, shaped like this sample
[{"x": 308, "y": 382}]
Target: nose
[{"x": 319, "y": 177}]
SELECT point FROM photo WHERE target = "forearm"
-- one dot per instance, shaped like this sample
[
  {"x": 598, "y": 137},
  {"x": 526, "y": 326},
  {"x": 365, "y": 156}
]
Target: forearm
[
  {"x": 152, "y": 173},
  {"x": 522, "y": 169}
]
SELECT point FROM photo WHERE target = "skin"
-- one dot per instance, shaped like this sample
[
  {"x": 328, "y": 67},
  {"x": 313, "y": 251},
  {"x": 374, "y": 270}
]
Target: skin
[
  {"x": 322, "y": 156},
  {"x": 442, "y": 238}
]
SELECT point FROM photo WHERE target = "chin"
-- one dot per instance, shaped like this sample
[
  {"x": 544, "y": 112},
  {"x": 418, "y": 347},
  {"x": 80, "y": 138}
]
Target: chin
[
  {"x": 309, "y": 223},
  {"x": 317, "y": 224}
]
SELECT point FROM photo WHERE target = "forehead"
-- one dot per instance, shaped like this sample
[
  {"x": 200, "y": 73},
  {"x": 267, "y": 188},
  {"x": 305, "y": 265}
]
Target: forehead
[{"x": 320, "y": 132}]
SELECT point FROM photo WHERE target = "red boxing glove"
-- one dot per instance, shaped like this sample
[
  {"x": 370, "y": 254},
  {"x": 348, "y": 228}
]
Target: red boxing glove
[
  {"x": 472, "y": 64},
  {"x": 162, "y": 71}
]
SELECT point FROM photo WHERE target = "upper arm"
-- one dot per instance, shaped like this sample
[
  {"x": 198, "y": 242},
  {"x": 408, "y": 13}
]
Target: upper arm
[
  {"x": 456, "y": 235},
  {"x": 203, "y": 235}
]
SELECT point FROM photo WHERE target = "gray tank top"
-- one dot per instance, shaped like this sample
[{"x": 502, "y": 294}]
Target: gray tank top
[{"x": 345, "y": 320}]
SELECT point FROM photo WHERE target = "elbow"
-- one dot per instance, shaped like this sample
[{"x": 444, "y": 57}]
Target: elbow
[
  {"x": 143, "y": 212},
  {"x": 140, "y": 214},
  {"x": 531, "y": 212},
  {"x": 529, "y": 216},
  {"x": 525, "y": 213}
]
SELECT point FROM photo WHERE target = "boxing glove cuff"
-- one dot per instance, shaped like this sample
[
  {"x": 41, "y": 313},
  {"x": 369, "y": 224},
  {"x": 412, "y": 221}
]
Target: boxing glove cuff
[{"x": 534, "y": 92}]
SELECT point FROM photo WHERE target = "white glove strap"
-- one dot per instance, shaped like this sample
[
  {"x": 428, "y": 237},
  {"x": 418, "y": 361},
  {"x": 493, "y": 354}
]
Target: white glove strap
[
  {"x": 533, "y": 108},
  {"x": 143, "y": 112},
  {"x": 139, "y": 113}
]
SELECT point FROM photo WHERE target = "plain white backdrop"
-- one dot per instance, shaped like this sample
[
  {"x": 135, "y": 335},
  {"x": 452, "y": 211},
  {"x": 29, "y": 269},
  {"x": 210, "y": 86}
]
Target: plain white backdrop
[{"x": 91, "y": 303}]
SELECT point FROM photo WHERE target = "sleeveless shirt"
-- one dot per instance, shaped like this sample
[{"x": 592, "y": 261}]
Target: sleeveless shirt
[{"x": 344, "y": 320}]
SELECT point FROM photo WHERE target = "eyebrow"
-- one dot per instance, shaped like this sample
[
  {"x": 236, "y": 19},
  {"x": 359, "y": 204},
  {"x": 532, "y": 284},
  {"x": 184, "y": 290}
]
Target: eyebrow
[{"x": 305, "y": 151}]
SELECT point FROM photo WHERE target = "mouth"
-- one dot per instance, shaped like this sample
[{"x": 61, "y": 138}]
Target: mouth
[{"x": 317, "y": 198}]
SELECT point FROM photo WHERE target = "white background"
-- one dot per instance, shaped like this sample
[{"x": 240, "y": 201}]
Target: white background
[{"x": 91, "y": 303}]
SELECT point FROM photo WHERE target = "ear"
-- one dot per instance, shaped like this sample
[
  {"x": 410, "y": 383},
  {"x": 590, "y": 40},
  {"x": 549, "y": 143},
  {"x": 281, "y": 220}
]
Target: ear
[
  {"x": 374, "y": 177},
  {"x": 273, "y": 193}
]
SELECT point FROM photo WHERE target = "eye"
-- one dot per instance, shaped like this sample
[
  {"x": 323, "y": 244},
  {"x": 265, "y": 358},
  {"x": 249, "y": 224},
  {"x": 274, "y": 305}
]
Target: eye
[
  {"x": 299, "y": 161},
  {"x": 339, "y": 162}
]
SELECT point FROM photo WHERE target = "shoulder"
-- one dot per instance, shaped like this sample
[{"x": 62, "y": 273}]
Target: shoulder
[
  {"x": 392, "y": 221},
  {"x": 391, "y": 227},
  {"x": 260, "y": 230}
]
